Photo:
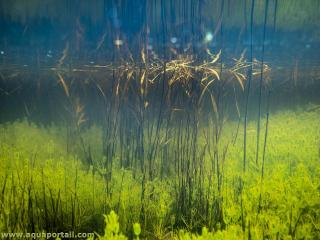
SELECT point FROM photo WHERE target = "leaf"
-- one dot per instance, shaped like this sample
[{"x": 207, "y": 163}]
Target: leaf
[
  {"x": 129, "y": 75},
  {"x": 100, "y": 89},
  {"x": 239, "y": 80},
  {"x": 136, "y": 229},
  {"x": 204, "y": 90},
  {"x": 79, "y": 108},
  {"x": 143, "y": 56},
  {"x": 215, "y": 58},
  {"x": 64, "y": 85},
  {"x": 142, "y": 79},
  {"x": 64, "y": 54},
  {"x": 117, "y": 89},
  {"x": 81, "y": 119},
  {"x": 214, "y": 72}
]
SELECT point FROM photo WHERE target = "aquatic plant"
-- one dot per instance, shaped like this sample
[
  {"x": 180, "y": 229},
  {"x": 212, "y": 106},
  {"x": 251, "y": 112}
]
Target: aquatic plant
[
  {"x": 148, "y": 131},
  {"x": 283, "y": 204}
]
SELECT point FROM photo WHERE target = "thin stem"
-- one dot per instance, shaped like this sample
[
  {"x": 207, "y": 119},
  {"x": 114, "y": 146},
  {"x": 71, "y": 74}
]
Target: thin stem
[
  {"x": 261, "y": 79},
  {"x": 248, "y": 90}
]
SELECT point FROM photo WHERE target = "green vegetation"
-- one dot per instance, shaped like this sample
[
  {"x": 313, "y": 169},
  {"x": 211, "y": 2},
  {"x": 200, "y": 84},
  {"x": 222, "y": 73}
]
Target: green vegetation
[{"x": 46, "y": 186}]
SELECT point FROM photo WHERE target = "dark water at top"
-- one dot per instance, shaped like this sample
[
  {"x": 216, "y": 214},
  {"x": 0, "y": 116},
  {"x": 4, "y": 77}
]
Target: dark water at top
[{"x": 40, "y": 40}]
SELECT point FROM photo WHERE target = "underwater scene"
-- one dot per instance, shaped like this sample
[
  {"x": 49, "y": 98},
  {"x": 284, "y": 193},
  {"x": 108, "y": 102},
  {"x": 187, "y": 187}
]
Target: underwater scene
[{"x": 160, "y": 119}]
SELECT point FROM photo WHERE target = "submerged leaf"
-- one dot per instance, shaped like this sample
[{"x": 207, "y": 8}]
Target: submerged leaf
[
  {"x": 64, "y": 85},
  {"x": 214, "y": 72},
  {"x": 215, "y": 58},
  {"x": 64, "y": 54},
  {"x": 240, "y": 81},
  {"x": 143, "y": 56},
  {"x": 204, "y": 90}
]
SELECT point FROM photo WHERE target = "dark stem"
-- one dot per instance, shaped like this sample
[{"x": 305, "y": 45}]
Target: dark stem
[
  {"x": 261, "y": 79},
  {"x": 264, "y": 152},
  {"x": 248, "y": 89}
]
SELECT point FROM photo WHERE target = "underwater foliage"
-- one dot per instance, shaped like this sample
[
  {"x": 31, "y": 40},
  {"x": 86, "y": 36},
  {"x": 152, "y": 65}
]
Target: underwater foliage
[
  {"x": 45, "y": 188},
  {"x": 160, "y": 119}
]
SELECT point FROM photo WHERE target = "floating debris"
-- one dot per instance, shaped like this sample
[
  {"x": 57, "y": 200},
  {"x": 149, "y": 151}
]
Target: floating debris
[{"x": 118, "y": 42}]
